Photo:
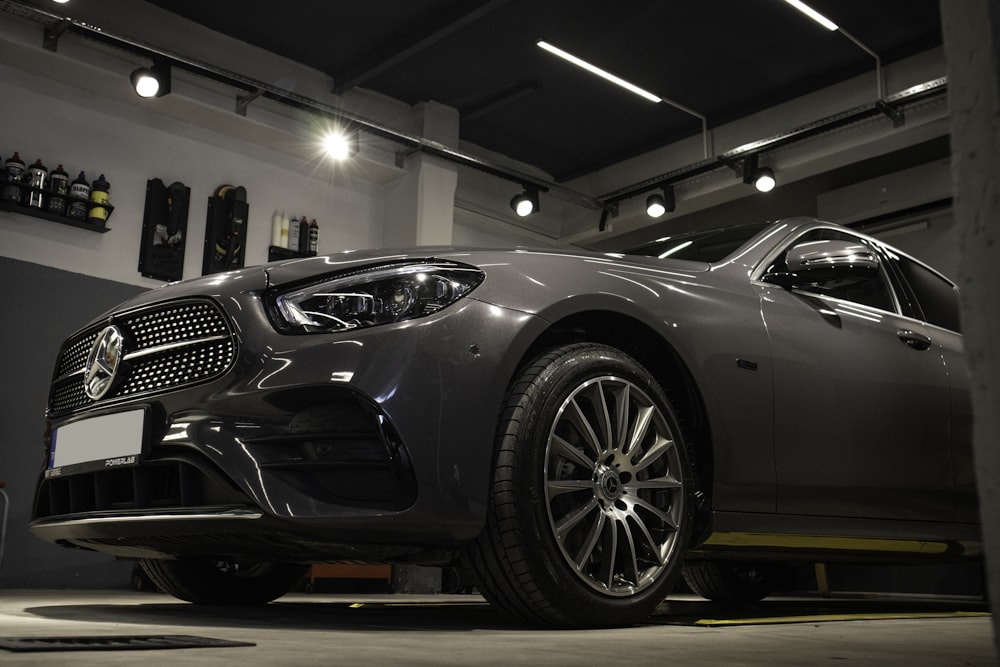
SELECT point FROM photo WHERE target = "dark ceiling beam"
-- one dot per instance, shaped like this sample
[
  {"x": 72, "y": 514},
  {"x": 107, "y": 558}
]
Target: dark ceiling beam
[
  {"x": 498, "y": 100},
  {"x": 376, "y": 64}
]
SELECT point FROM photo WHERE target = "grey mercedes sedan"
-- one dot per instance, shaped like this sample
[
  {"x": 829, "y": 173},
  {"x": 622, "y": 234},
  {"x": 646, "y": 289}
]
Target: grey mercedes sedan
[{"x": 579, "y": 429}]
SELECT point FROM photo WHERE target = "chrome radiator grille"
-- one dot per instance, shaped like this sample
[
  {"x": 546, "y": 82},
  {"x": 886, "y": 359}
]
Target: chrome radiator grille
[{"x": 168, "y": 345}]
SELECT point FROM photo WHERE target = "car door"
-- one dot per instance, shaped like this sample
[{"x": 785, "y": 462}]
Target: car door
[
  {"x": 935, "y": 300},
  {"x": 861, "y": 406}
]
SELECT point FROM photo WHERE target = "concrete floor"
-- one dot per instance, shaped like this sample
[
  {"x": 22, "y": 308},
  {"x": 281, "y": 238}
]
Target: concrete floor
[{"x": 374, "y": 630}]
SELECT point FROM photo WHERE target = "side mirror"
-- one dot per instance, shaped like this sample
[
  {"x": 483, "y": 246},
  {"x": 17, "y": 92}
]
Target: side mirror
[{"x": 842, "y": 262}]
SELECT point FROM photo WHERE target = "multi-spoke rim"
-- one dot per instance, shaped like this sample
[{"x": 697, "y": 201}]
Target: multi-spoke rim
[{"x": 614, "y": 486}]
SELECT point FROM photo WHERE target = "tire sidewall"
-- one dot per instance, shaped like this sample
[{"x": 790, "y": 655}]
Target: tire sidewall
[{"x": 542, "y": 405}]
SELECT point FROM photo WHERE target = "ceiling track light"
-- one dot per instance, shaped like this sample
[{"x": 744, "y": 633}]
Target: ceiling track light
[
  {"x": 764, "y": 182},
  {"x": 762, "y": 178},
  {"x": 152, "y": 81},
  {"x": 525, "y": 203},
  {"x": 659, "y": 203}
]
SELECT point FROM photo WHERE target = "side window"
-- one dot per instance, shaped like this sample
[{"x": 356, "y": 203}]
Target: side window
[
  {"x": 938, "y": 298},
  {"x": 875, "y": 293}
]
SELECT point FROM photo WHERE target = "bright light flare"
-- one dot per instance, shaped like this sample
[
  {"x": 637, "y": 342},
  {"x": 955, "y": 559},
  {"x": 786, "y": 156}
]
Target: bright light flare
[{"x": 337, "y": 146}]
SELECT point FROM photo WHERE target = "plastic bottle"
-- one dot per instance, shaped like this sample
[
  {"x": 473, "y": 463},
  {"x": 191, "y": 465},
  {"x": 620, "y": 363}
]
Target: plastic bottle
[
  {"x": 284, "y": 230},
  {"x": 276, "y": 228},
  {"x": 100, "y": 199},
  {"x": 293, "y": 234},
  {"x": 313, "y": 237},
  {"x": 38, "y": 174},
  {"x": 58, "y": 189},
  {"x": 13, "y": 172},
  {"x": 303, "y": 235},
  {"x": 79, "y": 193}
]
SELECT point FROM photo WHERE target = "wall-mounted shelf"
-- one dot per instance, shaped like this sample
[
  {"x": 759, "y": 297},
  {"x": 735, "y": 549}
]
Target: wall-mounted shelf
[
  {"x": 276, "y": 252},
  {"x": 31, "y": 211}
]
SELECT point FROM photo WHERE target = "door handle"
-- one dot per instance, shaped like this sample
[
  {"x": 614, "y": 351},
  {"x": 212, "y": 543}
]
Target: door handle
[{"x": 915, "y": 340}]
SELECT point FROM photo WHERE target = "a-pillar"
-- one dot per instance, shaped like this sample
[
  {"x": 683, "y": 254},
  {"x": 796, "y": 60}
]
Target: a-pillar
[
  {"x": 420, "y": 207},
  {"x": 971, "y": 30}
]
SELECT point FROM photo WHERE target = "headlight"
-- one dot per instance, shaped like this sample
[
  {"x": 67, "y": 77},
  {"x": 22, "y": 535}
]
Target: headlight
[{"x": 382, "y": 295}]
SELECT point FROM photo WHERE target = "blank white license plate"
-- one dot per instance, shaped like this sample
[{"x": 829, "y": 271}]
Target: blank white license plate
[{"x": 109, "y": 440}]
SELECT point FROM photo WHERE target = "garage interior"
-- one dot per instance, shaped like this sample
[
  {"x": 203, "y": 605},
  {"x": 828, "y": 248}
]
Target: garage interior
[{"x": 455, "y": 109}]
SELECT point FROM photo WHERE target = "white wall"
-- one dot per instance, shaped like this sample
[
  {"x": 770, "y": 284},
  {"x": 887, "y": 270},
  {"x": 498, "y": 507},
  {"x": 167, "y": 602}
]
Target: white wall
[{"x": 63, "y": 124}]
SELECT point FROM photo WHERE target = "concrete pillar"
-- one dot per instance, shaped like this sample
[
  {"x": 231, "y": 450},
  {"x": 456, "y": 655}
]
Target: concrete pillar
[
  {"x": 420, "y": 207},
  {"x": 971, "y": 31}
]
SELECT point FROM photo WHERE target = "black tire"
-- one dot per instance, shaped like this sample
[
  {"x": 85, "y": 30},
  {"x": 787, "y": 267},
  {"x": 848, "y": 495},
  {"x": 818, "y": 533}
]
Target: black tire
[
  {"x": 223, "y": 582},
  {"x": 600, "y": 492},
  {"x": 732, "y": 582}
]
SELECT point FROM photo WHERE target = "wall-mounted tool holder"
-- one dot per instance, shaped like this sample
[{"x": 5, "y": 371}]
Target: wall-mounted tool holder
[
  {"x": 164, "y": 230},
  {"x": 225, "y": 230}
]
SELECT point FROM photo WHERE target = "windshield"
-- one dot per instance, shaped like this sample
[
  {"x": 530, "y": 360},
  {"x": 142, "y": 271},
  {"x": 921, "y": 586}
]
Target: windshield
[{"x": 710, "y": 246}]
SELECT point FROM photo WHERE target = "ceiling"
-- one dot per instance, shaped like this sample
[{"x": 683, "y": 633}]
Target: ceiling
[{"x": 722, "y": 59}]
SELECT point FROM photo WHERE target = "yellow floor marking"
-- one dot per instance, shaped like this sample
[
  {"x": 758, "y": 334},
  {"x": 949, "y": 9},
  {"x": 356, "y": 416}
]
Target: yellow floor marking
[
  {"x": 826, "y": 542},
  {"x": 824, "y": 618}
]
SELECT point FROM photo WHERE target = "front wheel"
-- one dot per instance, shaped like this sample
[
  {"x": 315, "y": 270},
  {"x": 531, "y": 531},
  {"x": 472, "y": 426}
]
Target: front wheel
[
  {"x": 219, "y": 581},
  {"x": 590, "y": 507}
]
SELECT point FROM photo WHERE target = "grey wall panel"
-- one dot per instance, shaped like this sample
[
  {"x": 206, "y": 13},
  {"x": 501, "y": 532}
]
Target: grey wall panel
[{"x": 41, "y": 307}]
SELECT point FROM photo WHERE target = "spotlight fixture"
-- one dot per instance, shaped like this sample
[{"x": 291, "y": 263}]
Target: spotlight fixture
[
  {"x": 340, "y": 144},
  {"x": 762, "y": 178},
  {"x": 764, "y": 181},
  {"x": 152, "y": 81},
  {"x": 659, "y": 203},
  {"x": 525, "y": 203},
  {"x": 655, "y": 206}
]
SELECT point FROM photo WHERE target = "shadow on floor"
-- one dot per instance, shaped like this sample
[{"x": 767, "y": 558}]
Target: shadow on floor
[{"x": 464, "y": 613}]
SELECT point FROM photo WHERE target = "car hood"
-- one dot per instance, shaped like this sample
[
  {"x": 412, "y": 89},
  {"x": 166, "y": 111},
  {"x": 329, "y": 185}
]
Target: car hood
[
  {"x": 520, "y": 278},
  {"x": 289, "y": 271}
]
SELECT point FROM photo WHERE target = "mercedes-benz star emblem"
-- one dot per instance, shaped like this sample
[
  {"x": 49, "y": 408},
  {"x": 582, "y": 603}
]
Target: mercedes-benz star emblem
[{"x": 102, "y": 362}]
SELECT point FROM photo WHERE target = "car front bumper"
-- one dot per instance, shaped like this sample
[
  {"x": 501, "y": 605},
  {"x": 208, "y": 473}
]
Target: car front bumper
[{"x": 374, "y": 443}]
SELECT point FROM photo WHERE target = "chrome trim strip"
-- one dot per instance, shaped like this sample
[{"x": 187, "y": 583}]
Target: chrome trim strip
[
  {"x": 78, "y": 371},
  {"x": 151, "y": 350},
  {"x": 233, "y": 514},
  {"x": 171, "y": 346}
]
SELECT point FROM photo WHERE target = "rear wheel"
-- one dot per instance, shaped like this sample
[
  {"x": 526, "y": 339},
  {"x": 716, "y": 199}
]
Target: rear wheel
[
  {"x": 590, "y": 510},
  {"x": 206, "y": 580},
  {"x": 732, "y": 582}
]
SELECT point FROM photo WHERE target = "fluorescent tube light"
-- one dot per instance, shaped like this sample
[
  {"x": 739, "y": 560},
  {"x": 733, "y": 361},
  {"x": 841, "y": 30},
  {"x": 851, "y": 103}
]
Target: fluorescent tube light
[
  {"x": 813, "y": 14},
  {"x": 594, "y": 69}
]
